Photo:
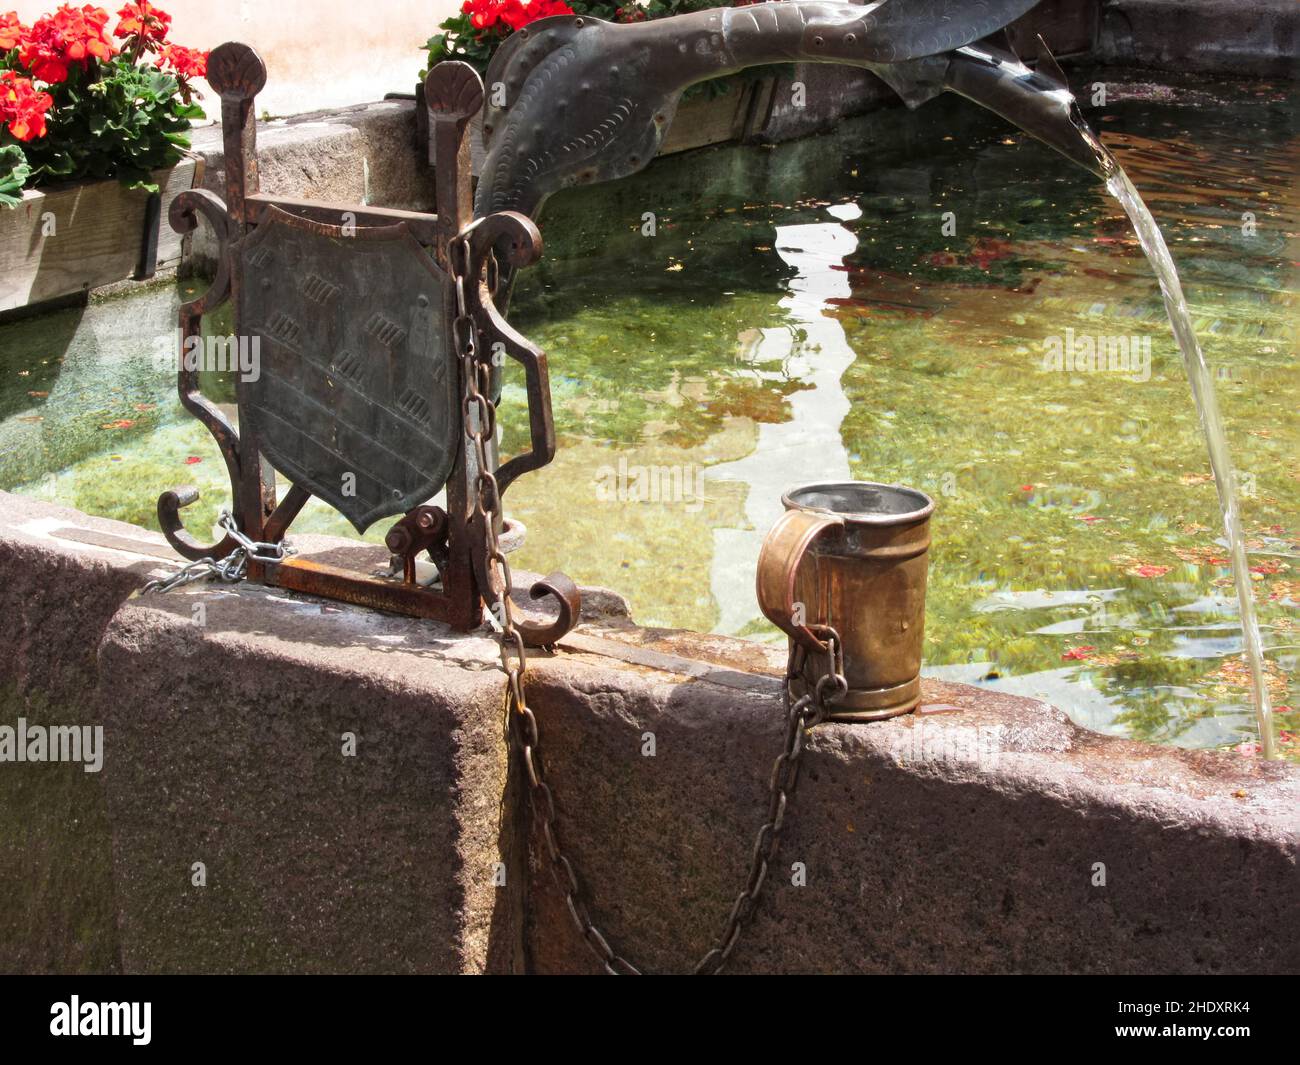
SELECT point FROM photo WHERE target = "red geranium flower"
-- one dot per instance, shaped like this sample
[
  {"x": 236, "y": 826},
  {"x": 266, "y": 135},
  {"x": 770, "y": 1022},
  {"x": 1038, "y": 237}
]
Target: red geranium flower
[
  {"x": 483, "y": 14},
  {"x": 23, "y": 106},
  {"x": 547, "y": 8},
  {"x": 187, "y": 62},
  {"x": 514, "y": 14},
  {"x": 69, "y": 36},
  {"x": 11, "y": 31},
  {"x": 142, "y": 20}
]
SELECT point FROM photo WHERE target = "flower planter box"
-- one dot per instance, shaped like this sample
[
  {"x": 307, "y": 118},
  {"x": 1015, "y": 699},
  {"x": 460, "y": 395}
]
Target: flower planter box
[
  {"x": 735, "y": 115},
  {"x": 69, "y": 239}
]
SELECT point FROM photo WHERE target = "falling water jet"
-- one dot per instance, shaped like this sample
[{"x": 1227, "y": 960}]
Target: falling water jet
[
  {"x": 1207, "y": 407},
  {"x": 1040, "y": 103}
]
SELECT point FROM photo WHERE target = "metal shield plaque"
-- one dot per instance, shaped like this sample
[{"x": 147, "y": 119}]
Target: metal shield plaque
[{"x": 356, "y": 399}]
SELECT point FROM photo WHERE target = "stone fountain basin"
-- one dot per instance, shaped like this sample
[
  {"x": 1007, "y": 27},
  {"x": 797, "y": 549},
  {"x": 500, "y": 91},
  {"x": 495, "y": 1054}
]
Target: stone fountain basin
[{"x": 971, "y": 839}]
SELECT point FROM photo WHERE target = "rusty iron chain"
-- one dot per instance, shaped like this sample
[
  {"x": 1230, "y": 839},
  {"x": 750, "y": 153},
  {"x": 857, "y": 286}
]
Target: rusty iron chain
[{"x": 803, "y": 709}]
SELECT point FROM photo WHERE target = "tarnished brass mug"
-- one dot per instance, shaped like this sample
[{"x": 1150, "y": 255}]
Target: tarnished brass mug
[{"x": 852, "y": 555}]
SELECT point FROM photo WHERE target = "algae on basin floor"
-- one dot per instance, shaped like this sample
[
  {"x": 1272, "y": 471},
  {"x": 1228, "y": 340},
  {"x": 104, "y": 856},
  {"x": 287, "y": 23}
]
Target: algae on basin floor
[{"x": 883, "y": 303}]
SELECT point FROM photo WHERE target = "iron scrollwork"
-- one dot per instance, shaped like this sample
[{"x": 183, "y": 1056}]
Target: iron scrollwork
[{"x": 359, "y": 398}]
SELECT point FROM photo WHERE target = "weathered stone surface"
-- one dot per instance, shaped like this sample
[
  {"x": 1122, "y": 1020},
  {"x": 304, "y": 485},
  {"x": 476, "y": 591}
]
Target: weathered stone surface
[
  {"x": 55, "y": 846},
  {"x": 361, "y": 155},
  {"x": 829, "y": 94},
  {"x": 56, "y": 860},
  {"x": 1259, "y": 39},
  {"x": 963, "y": 841},
  {"x": 229, "y": 751},
  {"x": 223, "y": 744},
  {"x": 56, "y": 602},
  {"x": 958, "y": 842}
]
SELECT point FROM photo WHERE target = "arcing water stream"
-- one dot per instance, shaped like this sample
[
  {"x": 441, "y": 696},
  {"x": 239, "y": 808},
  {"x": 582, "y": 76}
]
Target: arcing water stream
[
  {"x": 1040, "y": 103},
  {"x": 1207, "y": 407}
]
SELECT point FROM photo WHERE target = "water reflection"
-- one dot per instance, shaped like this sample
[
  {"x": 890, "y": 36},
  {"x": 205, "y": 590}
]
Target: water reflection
[
  {"x": 801, "y": 313},
  {"x": 808, "y": 446}
]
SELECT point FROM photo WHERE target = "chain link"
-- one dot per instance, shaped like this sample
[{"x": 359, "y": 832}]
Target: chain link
[
  {"x": 231, "y": 569},
  {"x": 802, "y": 711}
]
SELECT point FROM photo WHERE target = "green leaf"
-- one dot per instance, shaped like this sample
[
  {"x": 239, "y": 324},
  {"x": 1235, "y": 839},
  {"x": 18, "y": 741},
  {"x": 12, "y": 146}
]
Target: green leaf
[{"x": 14, "y": 172}]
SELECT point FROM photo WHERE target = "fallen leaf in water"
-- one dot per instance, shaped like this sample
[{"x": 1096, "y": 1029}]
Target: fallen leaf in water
[
  {"x": 38, "y": 395},
  {"x": 144, "y": 406},
  {"x": 1196, "y": 478},
  {"x": 1115, "y": 658},
  {"x": 1088, "y": 519},
  {"x": 121, "y": 423},
  {"x": 1202, "y": 556},
  {"x": 1250, "y": 747},
  {"x": 1148, "y": 571},
  {"x": 1079, "y": 654},
  {"x": 192, "y": 460},
  {"x": 31, "y": 419},
  {"x": 1235, "y": 673},
  {"x": 1239, "y": 794},
  {"x": 1270, "y": 566}
]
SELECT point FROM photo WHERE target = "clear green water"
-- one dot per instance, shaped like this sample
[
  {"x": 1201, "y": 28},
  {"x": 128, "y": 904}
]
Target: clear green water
[{"x": 801, "y": 314}]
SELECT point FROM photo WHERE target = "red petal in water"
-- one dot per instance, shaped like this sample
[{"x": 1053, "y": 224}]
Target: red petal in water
[{"x": 1150, "y": 571}]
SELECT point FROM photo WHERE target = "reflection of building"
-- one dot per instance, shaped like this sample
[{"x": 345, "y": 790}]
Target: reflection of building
[{"x": 807, "y": 447}]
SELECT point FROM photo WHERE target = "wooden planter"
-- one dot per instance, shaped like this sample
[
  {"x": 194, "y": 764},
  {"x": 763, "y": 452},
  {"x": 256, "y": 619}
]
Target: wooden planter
[
  {"x": 69, "y": 239},
  {"x": 735, "y": 115}
]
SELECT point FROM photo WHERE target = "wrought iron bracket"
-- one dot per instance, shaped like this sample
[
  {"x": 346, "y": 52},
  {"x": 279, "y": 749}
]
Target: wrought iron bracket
[{"x": 352, "y": 310}]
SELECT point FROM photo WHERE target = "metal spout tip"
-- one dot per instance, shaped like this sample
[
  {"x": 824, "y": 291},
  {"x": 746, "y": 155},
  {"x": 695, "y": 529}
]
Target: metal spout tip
[{"x": 1037, "y": 102}]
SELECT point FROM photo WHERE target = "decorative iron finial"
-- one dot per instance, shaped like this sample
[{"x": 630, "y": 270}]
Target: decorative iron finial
[
  {"x": 453, "y": 91},
  {"x": 236, "y": 70}
]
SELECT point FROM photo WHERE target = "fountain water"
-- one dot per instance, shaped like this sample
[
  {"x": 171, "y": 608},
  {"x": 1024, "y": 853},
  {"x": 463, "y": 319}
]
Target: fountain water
[
  {"x": 1207, "y": 407},
  {"x": 920, "y": 49},
  {"x": 1039, "y": 102}
]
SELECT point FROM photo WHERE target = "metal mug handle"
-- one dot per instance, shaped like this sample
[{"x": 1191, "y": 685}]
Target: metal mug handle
[{"x": 783, "y": 550}]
